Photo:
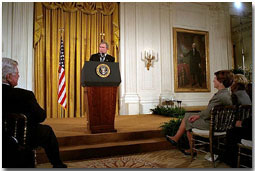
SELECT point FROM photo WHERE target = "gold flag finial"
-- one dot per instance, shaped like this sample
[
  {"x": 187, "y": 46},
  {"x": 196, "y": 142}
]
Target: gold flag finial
[
  {"x": 102, "y": 36},
  {"x": 61, "y": 31}
]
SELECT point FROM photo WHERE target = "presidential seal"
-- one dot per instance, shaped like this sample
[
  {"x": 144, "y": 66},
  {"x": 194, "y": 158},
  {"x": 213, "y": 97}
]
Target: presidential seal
[{"x": 103, "y": 70}]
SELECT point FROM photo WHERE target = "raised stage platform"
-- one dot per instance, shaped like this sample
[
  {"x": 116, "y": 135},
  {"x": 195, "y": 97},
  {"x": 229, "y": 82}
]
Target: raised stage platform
[
  {"x": 135, "y": 134},
  {"x": 125, "y": 123}
]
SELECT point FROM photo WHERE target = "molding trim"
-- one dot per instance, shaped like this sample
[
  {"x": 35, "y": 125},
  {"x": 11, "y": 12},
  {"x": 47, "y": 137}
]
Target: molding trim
[
  {"x": 245, "y": 27},
  {"x": 131, "y": 98}
]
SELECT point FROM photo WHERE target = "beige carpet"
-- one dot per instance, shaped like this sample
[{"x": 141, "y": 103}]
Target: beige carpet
[{"x": 158, "y": 159}]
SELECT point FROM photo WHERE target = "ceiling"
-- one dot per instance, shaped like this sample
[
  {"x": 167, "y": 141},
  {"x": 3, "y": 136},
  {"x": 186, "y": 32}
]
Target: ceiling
[
  {"x": 240, "y": 16},
  {"x": 237, "y": 16}
]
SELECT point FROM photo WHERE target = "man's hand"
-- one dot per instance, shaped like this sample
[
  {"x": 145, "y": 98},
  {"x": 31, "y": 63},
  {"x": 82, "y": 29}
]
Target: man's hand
[
  {"x": 238, "y": 123},
  {"x": 194, "y": 118}
]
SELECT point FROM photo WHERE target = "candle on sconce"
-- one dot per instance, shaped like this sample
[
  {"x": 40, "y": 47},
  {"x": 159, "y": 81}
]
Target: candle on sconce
[{"x": 149, "y": 58}]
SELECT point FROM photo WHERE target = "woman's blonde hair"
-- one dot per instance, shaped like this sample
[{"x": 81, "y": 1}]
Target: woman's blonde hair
[
  {"x": 240, "y": 82},
  {"x": 241, "y": 79}
]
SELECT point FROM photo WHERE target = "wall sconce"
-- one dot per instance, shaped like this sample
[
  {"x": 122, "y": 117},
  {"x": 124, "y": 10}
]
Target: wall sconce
[{"x": 149, "y": 58}]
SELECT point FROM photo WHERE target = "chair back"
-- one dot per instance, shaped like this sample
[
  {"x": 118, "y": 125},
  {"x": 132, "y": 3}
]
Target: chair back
[
  {"x": 244, "y": 112},
  {"x": 222, "y": 118},
  {"x": 15, "y": 125}
]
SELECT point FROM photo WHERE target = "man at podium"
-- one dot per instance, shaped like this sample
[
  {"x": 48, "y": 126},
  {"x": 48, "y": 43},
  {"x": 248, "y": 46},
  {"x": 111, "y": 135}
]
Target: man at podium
[
  {"x": 102, "y": 56},
  {"x": 101, "y": 77}
]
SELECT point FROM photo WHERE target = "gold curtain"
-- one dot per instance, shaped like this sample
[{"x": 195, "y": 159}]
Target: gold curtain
[{"x": 82, "y": 22}]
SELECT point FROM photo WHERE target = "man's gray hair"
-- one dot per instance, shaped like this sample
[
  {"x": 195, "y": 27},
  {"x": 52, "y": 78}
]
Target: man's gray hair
[
  {"x": 106, "y": 44},
  {"x": 8, "y": 67}
]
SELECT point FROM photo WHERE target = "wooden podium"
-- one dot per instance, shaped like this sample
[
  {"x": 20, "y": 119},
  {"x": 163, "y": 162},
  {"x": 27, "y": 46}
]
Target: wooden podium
[{"x": 100, "y": 95}]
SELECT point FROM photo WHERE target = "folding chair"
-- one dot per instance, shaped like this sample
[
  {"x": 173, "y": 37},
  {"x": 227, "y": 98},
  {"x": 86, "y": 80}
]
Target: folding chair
[
  {"x": 244, "y": 112},
  {"x": 222, "y": 118},
  {"x": 15, "y": 128},
  {"x": 244, "y": 154}
]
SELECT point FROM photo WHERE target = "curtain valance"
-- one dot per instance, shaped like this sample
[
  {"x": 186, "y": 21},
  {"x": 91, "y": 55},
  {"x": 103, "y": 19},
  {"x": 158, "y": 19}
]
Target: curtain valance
[{"x": 91, "y": 8}]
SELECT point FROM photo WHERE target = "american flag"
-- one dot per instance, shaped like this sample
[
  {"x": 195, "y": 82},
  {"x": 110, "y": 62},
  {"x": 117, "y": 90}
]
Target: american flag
[{"x": 61, "y": 77}]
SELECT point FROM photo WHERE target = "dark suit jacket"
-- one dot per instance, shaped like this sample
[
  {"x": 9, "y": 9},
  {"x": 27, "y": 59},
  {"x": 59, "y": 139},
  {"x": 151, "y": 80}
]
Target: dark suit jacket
[
  {"x": 96, "y": 57},
  {"x": 17, "y": 100}
]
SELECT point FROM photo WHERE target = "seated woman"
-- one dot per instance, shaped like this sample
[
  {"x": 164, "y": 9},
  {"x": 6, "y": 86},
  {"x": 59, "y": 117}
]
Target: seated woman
[
  {"x": 239, "y": 94},
  {"x": 242, "y": 129},
  {"x": 222, "y": 80},
  {"x": 238, "y": 88}
]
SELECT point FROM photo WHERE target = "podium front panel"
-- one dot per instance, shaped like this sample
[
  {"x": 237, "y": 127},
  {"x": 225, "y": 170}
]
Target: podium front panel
[{"x": 89, "y": 76}]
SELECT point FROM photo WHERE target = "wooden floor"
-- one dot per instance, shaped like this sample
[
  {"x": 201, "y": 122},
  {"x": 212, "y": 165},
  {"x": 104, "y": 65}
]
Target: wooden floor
[{"x": 78, "y": 126}]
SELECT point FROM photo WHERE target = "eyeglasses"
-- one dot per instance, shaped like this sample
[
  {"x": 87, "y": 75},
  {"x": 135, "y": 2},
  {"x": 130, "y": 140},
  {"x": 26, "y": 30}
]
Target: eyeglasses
[{"x": 15, "y": 73}]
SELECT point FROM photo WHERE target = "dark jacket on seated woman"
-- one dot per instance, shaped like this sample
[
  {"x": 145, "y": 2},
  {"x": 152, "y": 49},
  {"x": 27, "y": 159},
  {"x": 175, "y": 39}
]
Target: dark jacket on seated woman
[
  {"x": 240, "y": 96},
  {"x": 249, "y": 90}
]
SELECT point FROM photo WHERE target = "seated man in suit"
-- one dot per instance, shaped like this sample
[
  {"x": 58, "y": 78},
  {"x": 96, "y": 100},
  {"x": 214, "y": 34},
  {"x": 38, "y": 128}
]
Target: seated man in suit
[
  {"x": 17, "y": 100},
  {"x": 102, "y": 56}
]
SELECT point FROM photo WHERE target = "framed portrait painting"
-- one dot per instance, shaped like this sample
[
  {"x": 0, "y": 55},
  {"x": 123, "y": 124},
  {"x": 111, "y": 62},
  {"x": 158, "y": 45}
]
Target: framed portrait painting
[{"x": 191, "y": 60}]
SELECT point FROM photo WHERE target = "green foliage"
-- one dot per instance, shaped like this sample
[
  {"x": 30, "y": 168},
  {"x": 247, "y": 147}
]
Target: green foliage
[
  {"x": 171, "y": 127},
  {"x": 168, "y": 111}
]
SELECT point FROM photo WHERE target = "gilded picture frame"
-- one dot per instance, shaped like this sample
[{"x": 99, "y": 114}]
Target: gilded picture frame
[{"x": 191, "y": 60}]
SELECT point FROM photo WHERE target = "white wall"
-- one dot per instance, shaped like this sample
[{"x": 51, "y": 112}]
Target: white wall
[
  {"x": 149, "y": 25},
  {"x": 17, "y": 39}
]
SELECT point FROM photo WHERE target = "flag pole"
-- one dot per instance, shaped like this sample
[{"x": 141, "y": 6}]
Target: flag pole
[
  {"x": 62, "y": 90},
  {"x": 62, "y": 112}
]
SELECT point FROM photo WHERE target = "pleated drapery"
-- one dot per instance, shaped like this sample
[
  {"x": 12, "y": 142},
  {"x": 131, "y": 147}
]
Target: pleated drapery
[
  {"x": 17, "y": 39},
  {"x": 82, "y": 23}
]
